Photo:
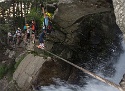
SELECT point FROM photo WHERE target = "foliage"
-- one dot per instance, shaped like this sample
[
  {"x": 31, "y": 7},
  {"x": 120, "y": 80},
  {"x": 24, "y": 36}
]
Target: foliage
[
  {"x": 34, "y": 15},
  {"x": 51, "y": 1},
  {"x": 5, "y": 27},
  {"x": 3, "y": 70},
  {"x": 10, "y": 68},
  {"x": 16, "y": 16},
  {"x": 7, "y": 69},
  {"x": 19, "y": 22},
  {"x": 19, "y": 61},
  {"x": 34, "y": 53}
]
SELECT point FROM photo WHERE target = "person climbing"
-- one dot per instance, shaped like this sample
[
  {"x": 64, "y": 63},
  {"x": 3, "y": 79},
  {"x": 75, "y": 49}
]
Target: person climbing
[
  {"x": 24, "y": 33},
  {"x": 41, "y": 45},
  {"x": 14, "y": 40},
  {"x": 45, "y": 24},
  {"x": 28, "y": 34},
  {"x": 10, "y": 38},
  {"x": 33, "y": 26},
  {"x": 49, "y": 28},
  {"x": 18, "y": 35},
  {"x": 25, "y": 27},
  {"x": 42, "y": 6},
  {"x": 46, "y": 21}
]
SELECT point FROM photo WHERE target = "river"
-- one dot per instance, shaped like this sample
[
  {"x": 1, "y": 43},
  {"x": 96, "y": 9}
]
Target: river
[{"x": 92, "y": 84}]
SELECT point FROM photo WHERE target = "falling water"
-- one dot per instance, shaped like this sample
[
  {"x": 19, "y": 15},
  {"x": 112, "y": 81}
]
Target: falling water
[{"x": 92, "y": 84}]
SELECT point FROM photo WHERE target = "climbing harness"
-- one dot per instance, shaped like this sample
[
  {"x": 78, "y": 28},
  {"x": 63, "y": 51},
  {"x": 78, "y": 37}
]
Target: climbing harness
[{"x": 88, "y": 72}]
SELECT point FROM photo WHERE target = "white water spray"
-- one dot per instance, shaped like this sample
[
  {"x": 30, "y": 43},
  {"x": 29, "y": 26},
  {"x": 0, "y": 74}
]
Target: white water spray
[{"x": 93, "y": 84}]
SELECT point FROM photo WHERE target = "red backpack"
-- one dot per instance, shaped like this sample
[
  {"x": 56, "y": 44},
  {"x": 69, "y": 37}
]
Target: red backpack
[{"x": 33, "y": 27}]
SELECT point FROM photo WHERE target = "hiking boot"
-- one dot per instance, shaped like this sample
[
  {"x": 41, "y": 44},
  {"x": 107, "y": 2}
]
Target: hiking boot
[{"x": 41, "y": 47}]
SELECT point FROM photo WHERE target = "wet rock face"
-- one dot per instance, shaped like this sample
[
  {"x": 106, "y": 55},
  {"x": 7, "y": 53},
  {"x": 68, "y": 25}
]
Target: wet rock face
[
  {"x": 119, "y": 9},
  {"x": 27, "y": 71},
  {"x": 122, "y": 82},
  {"x": 81, "y": 16},
  {"x": 51, "y": 70},
  {"x": 69, "y": 11},
  {"x": 51, "y": 8},
  {"x": 88, "y": 36},
  {"x": 86, "y": 25}
]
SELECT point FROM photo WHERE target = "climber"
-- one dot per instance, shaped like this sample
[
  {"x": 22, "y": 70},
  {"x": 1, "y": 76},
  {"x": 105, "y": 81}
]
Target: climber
[
  {"x": 49, "y": 28},
  {"x": 41, "y": 45},
  {"x": 25, "y": 27},
  {"x": 18, "y": 35},
  {"x": 45, "y": 25},
  {"x": 46, "y": 21},
  {"x": 24, "y": 33},
  {"x": 9, "y": 38},
  {"x": 33, "y": 26},
  {"x": 28, "y": 34},
  {"x": 14, "y": 39}
]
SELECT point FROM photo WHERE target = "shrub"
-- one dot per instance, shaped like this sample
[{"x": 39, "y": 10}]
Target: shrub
[{"x": 3, "y": 70}]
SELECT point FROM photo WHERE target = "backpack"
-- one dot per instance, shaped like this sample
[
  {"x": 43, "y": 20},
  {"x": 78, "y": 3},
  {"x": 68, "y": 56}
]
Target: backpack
[
  {"x": 24, "y": 27},
  {"x": 33, "y": 27},
  {"x": 18, "y": 32}
]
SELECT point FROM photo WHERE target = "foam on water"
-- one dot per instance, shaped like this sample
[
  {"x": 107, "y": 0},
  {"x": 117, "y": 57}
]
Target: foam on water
[{"x": 93, "y": 84}]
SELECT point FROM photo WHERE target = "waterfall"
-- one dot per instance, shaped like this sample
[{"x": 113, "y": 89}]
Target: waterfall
[
  {"x": 95, "y": 85},
  {"x": 92, "y": 84}
]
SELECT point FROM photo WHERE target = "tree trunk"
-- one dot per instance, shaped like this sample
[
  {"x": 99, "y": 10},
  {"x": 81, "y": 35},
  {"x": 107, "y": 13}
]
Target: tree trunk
[{"x": 14, "y": 14}]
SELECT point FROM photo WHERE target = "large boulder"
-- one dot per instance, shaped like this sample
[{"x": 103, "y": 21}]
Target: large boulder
[
  {"x": 88, "y": 34},
  {"x": 122, "y": 82},
  {"x": 85, "y": 17},
  {"x": 119, "y": 9},
  {"x": 69, "y": 11},
  {"x": 27, "y": 71}
]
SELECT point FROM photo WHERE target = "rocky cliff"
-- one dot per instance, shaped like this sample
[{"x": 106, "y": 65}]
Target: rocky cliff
[
  {"x": 119, "y": 9},
  {"x": 87, "y": 35}
]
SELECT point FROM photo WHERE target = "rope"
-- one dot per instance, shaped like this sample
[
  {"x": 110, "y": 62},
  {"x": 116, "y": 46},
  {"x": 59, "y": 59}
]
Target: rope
[{"x": 89, "y": 73}]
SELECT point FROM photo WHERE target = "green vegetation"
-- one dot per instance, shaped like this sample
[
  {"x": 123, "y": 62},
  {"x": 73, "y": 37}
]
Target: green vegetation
[
  {"x": 14, "y": 14},
  {"x": 17, "y": 12},
  {"x": 19, "y": 61},
  {"x": 9, "y": 69},
  {"x": 5, "y": 27},
  {"x": 34, "y": 53},
  {"x": 3, "y": 70},
  {"x": 13, "y": 67},
  {"x": 41, "y": 53}
]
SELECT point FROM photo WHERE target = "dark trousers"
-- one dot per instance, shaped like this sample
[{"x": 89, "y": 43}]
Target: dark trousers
[{"x": 41, "y": 37}]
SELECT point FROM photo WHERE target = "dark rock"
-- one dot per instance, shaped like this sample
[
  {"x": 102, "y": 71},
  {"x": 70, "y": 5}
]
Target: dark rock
[
  {"x": 51, "y": 7},
  {"x": 122, "y": 82},
  {"x": 90, "y": 34},
  {"x": 50, "y": 70},
  {"x": 119, "y": 9}
]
